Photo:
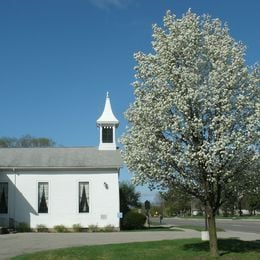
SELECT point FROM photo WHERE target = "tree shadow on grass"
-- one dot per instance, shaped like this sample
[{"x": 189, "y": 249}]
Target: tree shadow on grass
[{"x": 226, "y": 246}]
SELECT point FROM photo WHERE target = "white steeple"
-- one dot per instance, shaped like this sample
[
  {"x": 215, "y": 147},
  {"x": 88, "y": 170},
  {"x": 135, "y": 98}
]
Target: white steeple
[
  {"x": 107, "y": 116},
  {"x": 107, "y": 124}
]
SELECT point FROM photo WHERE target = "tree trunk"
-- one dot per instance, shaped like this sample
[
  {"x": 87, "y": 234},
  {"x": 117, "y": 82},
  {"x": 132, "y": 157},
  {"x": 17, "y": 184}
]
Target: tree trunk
[
  {"x": 206, "y": 221},
  {"x": 213, "y": 241},
  {"x": 240, "y": 208}
]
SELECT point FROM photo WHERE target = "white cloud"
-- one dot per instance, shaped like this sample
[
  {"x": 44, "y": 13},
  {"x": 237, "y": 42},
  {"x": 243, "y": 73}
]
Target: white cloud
[{"x": 107, "y": 4}]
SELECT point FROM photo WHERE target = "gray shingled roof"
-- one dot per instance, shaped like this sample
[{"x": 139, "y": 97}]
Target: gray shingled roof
[{"x": 85, "y": 157}]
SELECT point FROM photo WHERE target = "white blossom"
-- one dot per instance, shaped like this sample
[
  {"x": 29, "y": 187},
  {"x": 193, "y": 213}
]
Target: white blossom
[{"x": 196, "y": 109}]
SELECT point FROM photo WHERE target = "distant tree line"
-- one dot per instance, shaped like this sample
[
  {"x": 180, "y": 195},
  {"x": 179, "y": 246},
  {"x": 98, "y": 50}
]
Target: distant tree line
[
  {"x": 245, "y": 196},
  {"x": 174, "y": 204},
  {"x": 26, "y": 141}
]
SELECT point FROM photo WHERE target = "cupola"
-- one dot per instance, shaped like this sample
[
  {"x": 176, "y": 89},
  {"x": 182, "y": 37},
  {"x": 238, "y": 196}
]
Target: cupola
[{"x": 107, "y": 124}]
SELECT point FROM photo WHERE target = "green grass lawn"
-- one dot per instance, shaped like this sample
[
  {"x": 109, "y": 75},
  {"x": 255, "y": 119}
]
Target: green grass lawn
[
  {"x": 197, "y": 228},
  {"x": 257, "y": 217},
  {"x": 167, "y": 249},
  {"x": 176, "y": 228},
  {"x": 155, "y": 228}
]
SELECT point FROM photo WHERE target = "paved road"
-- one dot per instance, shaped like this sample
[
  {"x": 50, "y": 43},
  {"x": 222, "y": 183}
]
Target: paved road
[
  {"x": 226, "y": 224},
  {"x": 21, "y": 243}
]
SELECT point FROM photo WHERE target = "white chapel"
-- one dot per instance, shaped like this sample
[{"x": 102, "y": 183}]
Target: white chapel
[{"x": 63, "y": 186}]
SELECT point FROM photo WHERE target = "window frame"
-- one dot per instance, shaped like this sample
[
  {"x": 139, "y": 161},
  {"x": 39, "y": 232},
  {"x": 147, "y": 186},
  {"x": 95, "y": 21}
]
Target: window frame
[
  {"x": 79, "y": 196},
  {"x": 107, "y": 134},
  {"x": 6, "y": 197},
  {"x": 39, "y": 199}
]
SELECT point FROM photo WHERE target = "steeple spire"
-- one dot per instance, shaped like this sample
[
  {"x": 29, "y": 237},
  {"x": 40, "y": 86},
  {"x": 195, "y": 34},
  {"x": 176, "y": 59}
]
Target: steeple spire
[
  {"x": 107, "y": 124},
  {"x": 107, "y": 116}
]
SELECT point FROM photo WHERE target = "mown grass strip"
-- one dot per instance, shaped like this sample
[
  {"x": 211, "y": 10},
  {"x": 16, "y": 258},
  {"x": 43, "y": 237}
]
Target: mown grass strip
[
  {"x": 197, "y": 228},
  {"x": 167, "y": 249}
]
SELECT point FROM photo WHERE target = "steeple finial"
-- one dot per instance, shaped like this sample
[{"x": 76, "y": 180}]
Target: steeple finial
[{"x": 107, "y": 94}]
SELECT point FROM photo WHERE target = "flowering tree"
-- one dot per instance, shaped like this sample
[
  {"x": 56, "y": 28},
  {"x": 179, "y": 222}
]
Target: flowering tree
[{"x": 193, "y": 123}]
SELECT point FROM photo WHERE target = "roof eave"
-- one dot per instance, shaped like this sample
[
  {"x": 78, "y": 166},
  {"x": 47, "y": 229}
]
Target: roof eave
[{"x": 14, "y": 168}]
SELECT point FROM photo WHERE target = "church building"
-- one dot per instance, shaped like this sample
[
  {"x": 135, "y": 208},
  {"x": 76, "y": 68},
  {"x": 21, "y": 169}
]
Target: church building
[{"x": 63, "y": 186}]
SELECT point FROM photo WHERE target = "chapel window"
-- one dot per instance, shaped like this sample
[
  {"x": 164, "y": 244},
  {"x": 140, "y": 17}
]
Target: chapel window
[
  {"x": 43, "y": 197},
  {"x": 83, "y": 197},
  {"x": 3, "y": 197}
]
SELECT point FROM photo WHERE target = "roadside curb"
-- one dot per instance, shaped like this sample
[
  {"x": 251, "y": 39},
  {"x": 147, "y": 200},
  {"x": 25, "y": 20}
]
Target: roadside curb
[{"x": 226, "y": 219}]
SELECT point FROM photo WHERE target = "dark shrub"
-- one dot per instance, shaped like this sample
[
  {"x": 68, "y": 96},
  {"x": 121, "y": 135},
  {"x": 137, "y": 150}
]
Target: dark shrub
[
  {"x": 60, "y": 228},
  {"x": 41, "y": 228},
  {"x": 77, "y": 228},
  {"x": 133, "y": 220},
  {"x": 23, "y": 227}
]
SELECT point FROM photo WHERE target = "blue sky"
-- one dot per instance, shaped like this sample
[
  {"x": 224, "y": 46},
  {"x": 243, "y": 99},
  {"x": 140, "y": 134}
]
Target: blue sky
[{"x": 58, "y": 58}]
